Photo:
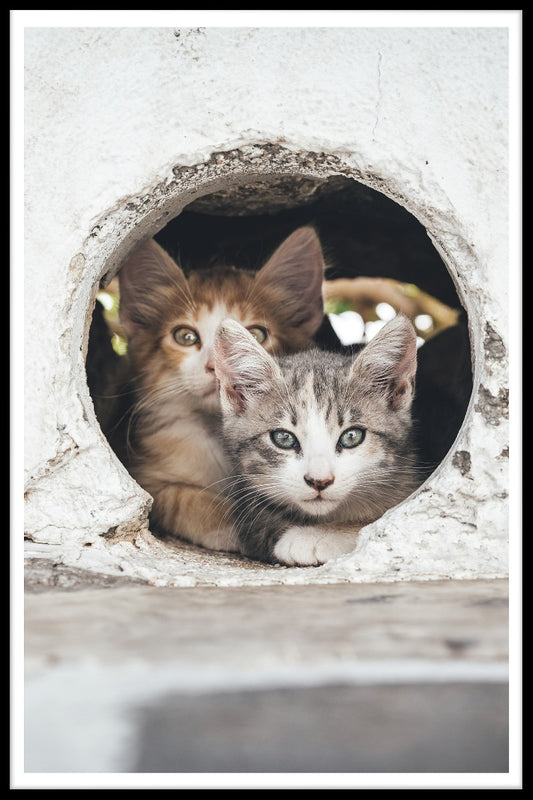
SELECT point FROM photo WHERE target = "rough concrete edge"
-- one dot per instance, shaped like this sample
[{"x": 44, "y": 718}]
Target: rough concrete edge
[{"x": 120, "y": 230}]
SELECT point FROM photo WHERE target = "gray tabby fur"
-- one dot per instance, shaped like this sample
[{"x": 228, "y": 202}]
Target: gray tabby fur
[{"x": 306, "y": 504}]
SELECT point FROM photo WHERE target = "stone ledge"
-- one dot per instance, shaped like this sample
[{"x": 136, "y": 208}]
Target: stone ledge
[{"x": 385, "y": 677}]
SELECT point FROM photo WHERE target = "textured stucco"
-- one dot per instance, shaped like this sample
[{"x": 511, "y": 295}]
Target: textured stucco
[{"x": 124, "y": 126}]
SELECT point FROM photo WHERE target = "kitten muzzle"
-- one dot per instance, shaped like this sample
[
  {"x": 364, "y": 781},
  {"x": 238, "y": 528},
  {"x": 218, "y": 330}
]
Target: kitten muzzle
[
  {"x": 318, "y": 507},
  {"x": 318, "y": 483}
]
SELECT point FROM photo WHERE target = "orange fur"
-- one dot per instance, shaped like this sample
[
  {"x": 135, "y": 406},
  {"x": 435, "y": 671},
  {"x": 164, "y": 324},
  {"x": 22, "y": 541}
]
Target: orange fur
[{"x": 173, "y": 446}]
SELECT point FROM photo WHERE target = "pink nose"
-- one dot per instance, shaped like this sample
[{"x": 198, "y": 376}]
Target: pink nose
[{"x": 318, "y": 483}]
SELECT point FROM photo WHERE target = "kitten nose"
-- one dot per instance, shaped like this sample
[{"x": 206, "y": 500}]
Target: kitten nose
[
  {"x": 318, "y": 483},
  {"x": 210, "y": 362}
]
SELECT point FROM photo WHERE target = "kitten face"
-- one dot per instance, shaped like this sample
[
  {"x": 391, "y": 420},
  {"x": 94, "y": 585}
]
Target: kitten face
[
  {"x": 312, "y": 460},
  {"x": 171, "y": 319},
  {"x": 186, "y": 348},
  {"x": 320, "y": 434}
]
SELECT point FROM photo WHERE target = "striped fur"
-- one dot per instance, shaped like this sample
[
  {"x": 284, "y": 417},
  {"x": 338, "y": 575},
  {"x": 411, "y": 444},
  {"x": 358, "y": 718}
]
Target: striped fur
[{"x": 305, "y": 504}]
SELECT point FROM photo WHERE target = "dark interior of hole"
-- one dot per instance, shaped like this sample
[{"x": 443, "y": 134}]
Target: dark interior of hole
[{"x": 363, "y": 233}]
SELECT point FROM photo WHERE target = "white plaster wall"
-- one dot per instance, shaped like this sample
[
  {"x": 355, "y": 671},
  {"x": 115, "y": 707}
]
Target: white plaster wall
[{"x": 113, "y": 115}]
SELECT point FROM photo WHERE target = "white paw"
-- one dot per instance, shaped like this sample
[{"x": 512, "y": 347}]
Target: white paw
[{"x": 310, "y": 546}]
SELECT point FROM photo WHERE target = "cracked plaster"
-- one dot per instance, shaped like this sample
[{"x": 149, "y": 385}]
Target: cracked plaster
[{"x": 429, "y": 133}]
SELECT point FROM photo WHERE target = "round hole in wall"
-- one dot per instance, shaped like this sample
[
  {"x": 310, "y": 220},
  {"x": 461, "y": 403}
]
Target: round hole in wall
[{"x": 379, "y": 259}]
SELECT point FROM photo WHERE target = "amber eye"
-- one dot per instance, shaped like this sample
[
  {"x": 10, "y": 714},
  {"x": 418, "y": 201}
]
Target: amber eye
[
  {"x": 258, "y": 333},
  {"x": 186, "y": 336}
]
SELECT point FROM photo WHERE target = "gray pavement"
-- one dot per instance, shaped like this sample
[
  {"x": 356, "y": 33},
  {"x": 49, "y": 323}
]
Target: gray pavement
[{"x": 390, "y": 678}]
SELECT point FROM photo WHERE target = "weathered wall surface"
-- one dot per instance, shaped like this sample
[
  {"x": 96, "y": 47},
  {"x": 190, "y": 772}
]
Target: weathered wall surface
[{"x": 124, "y": 126}]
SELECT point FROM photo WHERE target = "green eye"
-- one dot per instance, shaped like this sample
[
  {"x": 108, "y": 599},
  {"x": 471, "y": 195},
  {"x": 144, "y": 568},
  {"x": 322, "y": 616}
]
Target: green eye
[
  {"x": 284, "y": 439},
  {"x": 186, "y": 336},
  {"x": 351, "y": 438},
  {"x": 259, "y": 333}
]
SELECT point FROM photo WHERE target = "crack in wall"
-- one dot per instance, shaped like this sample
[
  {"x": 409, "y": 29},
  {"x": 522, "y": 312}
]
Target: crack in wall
[{"x": 67, "y": 449}]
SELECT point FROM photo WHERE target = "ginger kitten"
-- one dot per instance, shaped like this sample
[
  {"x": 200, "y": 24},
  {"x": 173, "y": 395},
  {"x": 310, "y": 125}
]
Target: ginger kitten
[{"x": 174, "y": 448}]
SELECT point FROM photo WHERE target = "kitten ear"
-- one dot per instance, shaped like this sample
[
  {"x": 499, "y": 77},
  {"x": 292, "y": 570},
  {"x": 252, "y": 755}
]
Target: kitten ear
[
  {"x": 243, "y": 368},
  {"x": 147, "y": 274},
  {"x": 296, "y": 271},
  {"x": 388, "y": 363}
]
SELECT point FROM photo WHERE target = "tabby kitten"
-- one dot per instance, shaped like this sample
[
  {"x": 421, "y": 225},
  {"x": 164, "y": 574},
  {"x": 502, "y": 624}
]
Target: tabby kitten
[
  {"x": 320, "y": 443},
  {"x": 174, "y": 446}
]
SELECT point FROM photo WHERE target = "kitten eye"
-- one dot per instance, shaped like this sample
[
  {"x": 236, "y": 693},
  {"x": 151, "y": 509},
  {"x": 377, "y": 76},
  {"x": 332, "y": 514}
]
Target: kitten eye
[
  {"x": 351, "y": 438},
  {"x": 284, "y": 439},
  {"x": 259, "y": 333},
  {"x": 186, "y": 336}
]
